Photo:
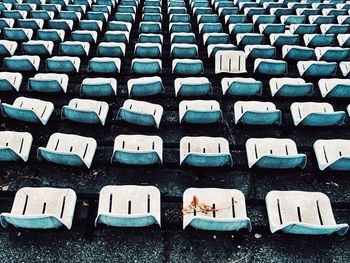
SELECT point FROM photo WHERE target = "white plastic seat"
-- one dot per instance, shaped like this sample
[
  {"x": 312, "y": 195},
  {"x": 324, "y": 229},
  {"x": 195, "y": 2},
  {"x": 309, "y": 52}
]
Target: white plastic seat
[
  {"x": 345, "y": 68},
  {"x": 15, "y": 145},
  {"x": 192, "y": 86},
  {"x": 129, "y": 206},
  {"x": 8, "y": 47},
  {"x": 41, "y": 208},
  {"x": 332, "y": 53},
  {"x": 37, "y": 47},
  {"x": 290, "y": 87},
  {"x": 298, "y": 212},
  {"x": 200, "y": 111},
  {"x": 274, "y": 153},
  {"x": 10, "y": 81},
  {"x": 22, "y": 63},
  {"x": 49, "y": 82},
  {"x": 68, "y": 149},
  {"x": 317, "y": 68},
  {"x": 230, "y": 62},
  {"x": 227, "y": 209},
  {"x": 334, "y": 87},
  {"x": 343, "y": 40}
]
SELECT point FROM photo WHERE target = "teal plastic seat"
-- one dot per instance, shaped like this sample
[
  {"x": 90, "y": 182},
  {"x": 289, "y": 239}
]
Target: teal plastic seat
[
  {"x": 10, "y": 81},
  {"x": 61, "y": 24},
  {"x": 150, "y": 27},
  {"x": 37, "y": 47},
  {"x": 91, "y": 25},
  {"x": 320, "y": 19},
  {"x": 28, "y": 110},
  {"x": 317, "y": 68},
  {"x": 53, "y": 35},
  {"x": 274, "y": 153},
  {"x": 148, "y": 50},
  {"x": 205, "y": 151},
  {"x": 74, "y": 48},
  {"x": 151, "y": 38},
  {"x": 185, "y": 38},
  {"x": 7, "y": 47},
  {"x": 214, "y": 48},
  {"x": 200, "y": 111},
  {"x": 99, "y": 16},
  {"x": 84, "y": 36},
  {"x": 85, "y": 111},
  {"x": 293, "y": 19},
  {"x": 48, "y": 82},
  {"x": 334, "y": 29},
  {"x": 151, "y": 10},
  {"x": 146, "y": 86},
  {"x": 187, "y": 67},
  {"x": 33, "y": 23},
  {"x": 151, "y": 17},
  {"x": 270, "y": 66},
  {"x": 180, "y": 27},
  {"x": 119, "y": 26},
  {"x": 281, "y": 39},
  {"x": 210, "y": 28},
  {"x": 176, "y": 3},
  {"x": 184, "y": 50},
  {"x": 138, "y": 150},
  {"x": 228, "y": 11},
  {"x": 211, "y": 18},
  {"x": 141, "y": 113},
  {"x": 17, "y": 34},
  {"x": 63, "y": 64},
  {"x": 268, "y": 29},
  {"x": 241, "y": 28},
  {"x": 251, "y": 11},
  {"x": 260, "y": 51},
  {"x": 6, "y": 22},
  {"x": 76, "y": 8},
  {"x": 68, "y": 149},
  {"x": 42, "y": 14},
  {"x": 263, "y": 19},
  {"x": 241, "y": 86},
  {"x": 192, "y": 86},
  {"x": 332, "y": 53},
  {"x": 70, "y": 15},
  {"x": 98, "y": 87},
  {"x": 104, "y": 65},
  {"x": 319, "y": 40},
  {"x": 180, "y": 18},
  {"x": 15, "y": 146},
  {"x": 14, "y": 14},
  {"x": 111, "y": 49},
  {"x": 343, "y": 19},
  {"x": 177, "y": 10},
  {"x": 125, "y": 17},
  {"x": 250, "y": 39},
  {"x": 334, "y": 88},
  {"x": 297, "y": 52},
  {"x": 155, "y": 3},
  {"x": 22, "y": 63},
  {"x": 235, "y": 19},
  {"x": 302, "y": 29},
  {"x": 257, "y": 113},
  {"x": 216, "y": 38},
  {"x": 126, "y": 9},
  {"x": 146, "y": 66},
  {"x": 290, "y": 87},
  {"x": 117, "y": 36}
]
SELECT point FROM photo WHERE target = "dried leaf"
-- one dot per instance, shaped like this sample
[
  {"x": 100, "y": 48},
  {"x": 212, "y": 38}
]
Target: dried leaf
[
  {"x": 5, "y": 187},
  {"x": 195, "y": 201}
]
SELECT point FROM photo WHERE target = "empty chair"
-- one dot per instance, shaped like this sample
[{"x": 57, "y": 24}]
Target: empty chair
[
  {"x": 54, "y": 35},
  {"x": 17, "y": 34},
  {"x": 124, "y": 17},
  {"x": 119, "y": 26},
  {"x": 70, "y": 15},
  {"x": 240, "y": 28},
  {"x": 297, "y": 52},
  {"x": 186, "y": 38},
  {"x": 28, "y": 110},
  {"x": 138, "y": 150},
  {"x": 302, "y": 29},
  {"x": 151, "y": 27},
  {"x": 151, "y": 38},
  {"x": 98, "y": 87},
  {"x": 293, "y": 19},
  {"x": 84, "y": 36},
  {"x": 129, "y": 206},
  {"x": 37, "y": 47},
  {"x": 187, "y": 66},
  {"x": 216, "y": 38},
  {"x": 270, "y": 66},
  {"x": 257, "y": 113},
  {"x": 317, "y": 68},
  {"x": 243, "y": 39},
  {"x": 184, "y": 18},
  {"x": 22, "y": 63},
  {"x": 257, "y": 19},
  {"x": 105, "y": 65},
  {"x": 337, "y": 88},
  {"x": 14, "y": 14},
  {"x": 260, "y": 51},
  {"x": 290, "y": 87},
  {"x": 117, "y": 36},
  {"x": 141, "y": 113},
  {"x": 207, "y": 18},
  {"x": 42, "y": 14},
  {"x": 91, "y": 25},
  {"x": 111, "y": 49},
  {"x": 205, "y": 151},
  {"x": 6, "y": 22},
  {"x": 319, "y": 40},
  {"x": 10, "y": 81},
  {"x": 200, "y": 111},
  {"x": 332, "y": 154},
  {"x": 241, "y": 86},
  {"x": 146, "y": 86},
  {"x": 146, "y": 66},
  {"x": 192, "y": 86},
  {"x": 297, "y": 212},
  {"x": 63, "y": 64},
  {"x": 217, "y": 209},
  {"x": 214, "y": 48},
  {"x": 230, "y": 62},
  {"x": 321, "y": 19},
  {"x": 7, "y": 47},
  {"x": 334, "y": 29},
  {"x": 86, "y": 111},
  {"x": 210, "y": 28},
  {"x": 184, "y": 50},
  {"x": 343, "y": 40},
  {"x": 332, "y": 53},
  {"x": 61, "y": 24},
  {"x": 15, "y": 146},
  {"x": 48, "y": 82},
  {"x": 152, "y": 17},
  {"x": 68, "y": 149},
  {"x": 268, "y": 29},
  {"x": 345, "y": 68},
  {"x": 34, "y": 24},
  {"x": 74, "y": 48},
  {"x": 178, "y": 27},
  {"x": 41, "y": 208},
  {"x": 316, "y": 114},
  {"x": 274, "y": 153},
  {"x": 95, "y": 15},
  {"x": 148, "y": 50}
]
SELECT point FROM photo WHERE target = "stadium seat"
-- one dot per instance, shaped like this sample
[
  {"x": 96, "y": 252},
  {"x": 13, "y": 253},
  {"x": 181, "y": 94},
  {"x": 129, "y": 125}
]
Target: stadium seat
[
  {"x": 37, "y": 47},
  {"x": 98, "y": 87},
  {"x": 192, "y": 86},
  {"x": 270, "y": 66},
  {"x": 54, "y": 35},
  {"x": 10, "y": 81},
  {"x": 147, "y": 66},
  {"x": 15, "y": 146},
  {"x": 184, "y": 50},
  {"x": 187, "y": 67},
  {"x": 148, "y": 50},
  {"x": 332, "y": 53},
  {"x": 230, "y": 62},
  {"x": 336, "y": 88},
  {"x": 17, "y": 34},
  {"x": 74, "y": 48},
  {"x": 104, "y": 65},
  {"x": 290, "y": 87},
  {"x": 146, "y": 86},
  {"x": 317, "y": 68},
  {"x": 63, "y": 64},
  {"x": 22, "y": 63},
  {"x": 48, "y": 82},
  {"x": 200, "y": 111},
  {"x": 241, "y": 86},
  {"x": 297, "y": 53},
  {"x": 260, "y": 51}
]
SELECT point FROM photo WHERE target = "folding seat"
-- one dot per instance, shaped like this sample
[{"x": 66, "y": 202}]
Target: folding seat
[
  {"x": 17, "y": 34},
  {"x": 185, "y": 38},
  {"x": 15, "y": 146},
  {"x": 227, "y": 61},
  {"x": 146, "y": 66},
  {"x": 76, "y": 8},
  {"x": 117, "y": 36},
  {"x": 273, "y": 153},
  {"x": 41, "y": 208},
  {"x": 148, "y": 50},
  {"x": 63, "y": 64},
  {"x": 302, "y": 29},
  {"x": 6, "y": 22},
  {"x": 104, "y": 65},
  {"x": 132, "y": 206},
  {"x": 209, "y": 18},
  {"x": 42, "y": 14},
  {"x": 241, "y": 86},
  {"x": 179, "y": 18},
  {"x": 236, "y": 19},
  {"x": 125, "y": 17},
  {"x": 260, "y": 51},
  {"x": 257, "y": 113},
  {"x": 37, "y": 47},
  {"x": 84, "y": 36},
  {"x": 216, "y": 38},
  {"x": 184, "y": 50},
  {"x": 263, "y": 19},
  {"x": 192, "y": 86},
  {"x": 201, "y": 11},
  {"x": 334, "y": 12},
  {"x": 74, "y": 48},
  {"x": 251, "y": 11},
  {"x": 317, "y": 68},
  {"x": 54, "y": 35},
  {"x": 335, "y": 87},
  {"x": 61, "y": 24},
  {"x": 225, "y": 209},
  {"x": 28, "y": 110},
  {"x": 306, "y": 213},
  {"x": 316, "y": 114},
  {"x": 319, "y": 40},
  {"x": 48, "y": 82},
  {"x": 150, "y": 38},
  {"x": 86, "y": 3},
  {"x": 14, "y": 14},
  {"x": 68, "y": 149},
  {"x": 345, "y": 68},
  {"x": 205, "y": 151},
  {"x": 270, "y": 66},
  {"x": 293, "y": 19},
  {"x": 150, "y": 27},
  {"x": 343, "y": 19},
  {"x": 98, "y": 87},
  {"x": 85, "y": 111},
  {"x": 70, "y": 15},
  {"x": 7, "y": 47},
  {"x": 200, "y": 111},
  {"x": 146, "y": 86},
  {"x": 22, "y": 63},
  {"x": 290, "y": 87},
  {"x": 249, "y": 39},
  {"x": 227, "y": 11},
  {"x": 91, "y": 25},
  {"x": 10, "y": 81},
  {"x": 100, "y": 9},
  {"x": 321, "y": 20},
  {"x": 210, "y": 28},
  {"x": 241, "y": 28},
  {"x": 187, "y": 66},
  {"x": 34, "y": 24},
  {"x": 180, "y": 27},
  {"x": 150, "y": 17},
  {"x": 141, "y": 113},
  {"x": 332, "y": 53},
  {"x": 293, "y": 52},
  {"x": 111, "y": 49},
  {"x": 268, "y": 29},
  {"x": 334, "y": 29},
  {"x": 214, "y": 48}
]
